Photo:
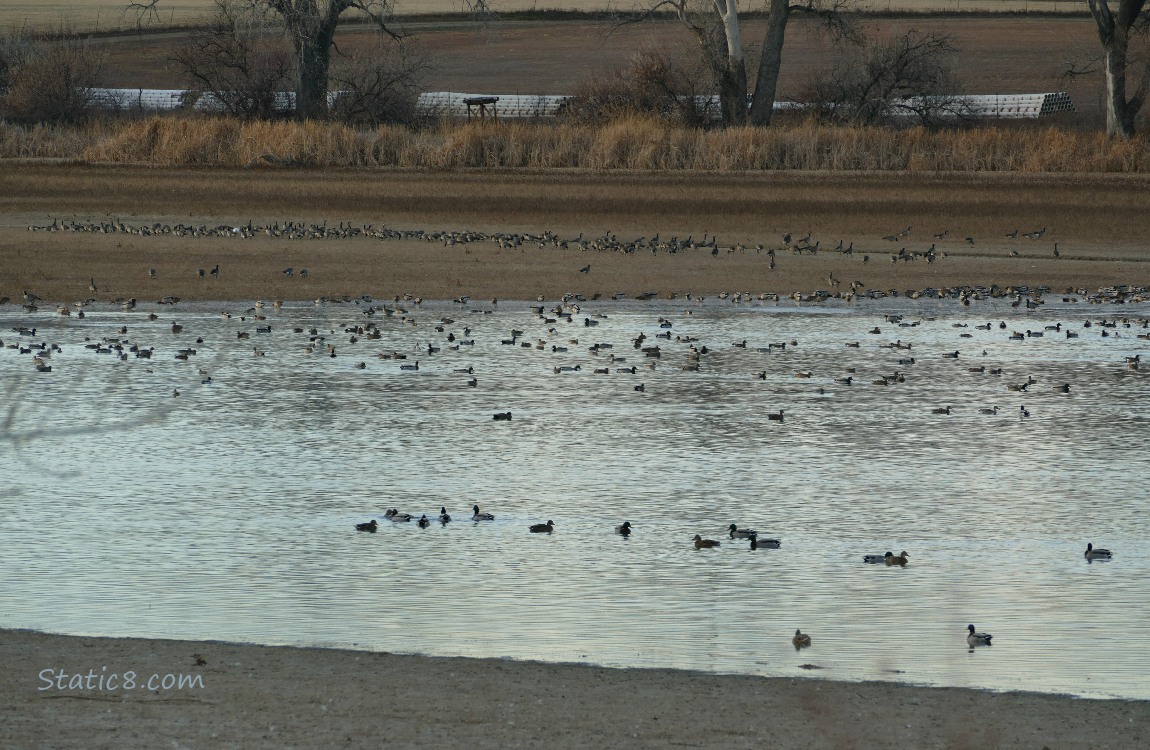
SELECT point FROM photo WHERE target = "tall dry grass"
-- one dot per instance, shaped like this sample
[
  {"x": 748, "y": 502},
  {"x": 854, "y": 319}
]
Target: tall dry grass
[{"x": 625, "y": 144}]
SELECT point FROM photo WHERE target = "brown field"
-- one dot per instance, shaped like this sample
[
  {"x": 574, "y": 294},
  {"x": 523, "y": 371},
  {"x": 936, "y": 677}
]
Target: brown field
[
  {"x": 1099, "y": 223},
  {"x": 103, "y": 15},
  {"x": 555, "y": 57}
]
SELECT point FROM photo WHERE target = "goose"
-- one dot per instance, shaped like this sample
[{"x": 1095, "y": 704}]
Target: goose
[
  {"x": 624, "y": 529},
  {"x": 877, "y": 558},
  {"x": 974, "y": 638},
  {"x": 757, "y": 543},
  {"x": 369, "y": 526},
  {"x": 477, "y": 516},
  {"x": 1097, "y": 554},
  {"x": 701, "y": 543},
  {"x": 542, "y": 528},
  {"x": 801, "y": 640},
  {"x": 423, "y": 522},
  {"x": 443, "y": 517},
  {"x": 737, "y": 533},
  {"x": 899, "y": 560}
]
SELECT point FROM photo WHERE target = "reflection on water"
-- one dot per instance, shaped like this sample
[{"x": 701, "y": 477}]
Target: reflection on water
[{"x": 227, "y": 512}]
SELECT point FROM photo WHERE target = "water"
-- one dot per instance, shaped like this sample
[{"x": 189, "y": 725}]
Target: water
[{"x": 227, "y": 512}]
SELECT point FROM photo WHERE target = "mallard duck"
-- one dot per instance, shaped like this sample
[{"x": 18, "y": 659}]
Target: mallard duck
[
  {"x": 801, "y": 640},
  {"x": 477, "y": 516},
  {"x": 877, "y": 558},
  {"x": 443, "y": 517},
  {"x": 701, "y": 543},
  {"x": 975, "y": 638},
  {"x": 624, "y": 529},
  {"x": 757, "y": 543},
  {"x": 737, "y": 533},
  {"x": 369, "y": 526},
  {"x": 543, "y": 528},
  {"x": 899, "y": 560},
  {"x": 423, "y": 522},
  {"x": 1097, "y": 554},
  {"x": 395, "y": 515}
]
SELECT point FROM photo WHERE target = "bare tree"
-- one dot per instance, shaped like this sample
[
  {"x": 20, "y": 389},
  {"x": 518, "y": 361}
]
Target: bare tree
[
  {"x": 310, "y": 25},
  {"x": 239, "y": 60},
  {"x": 47, "y": 82},
  {"x": 650, "y": 84},
  {"x": 379, "y": 85},
  {"x": 909, "y": 75},
  {"x": 715, "y": 25},
  {"x": 1115, "y": 30}
]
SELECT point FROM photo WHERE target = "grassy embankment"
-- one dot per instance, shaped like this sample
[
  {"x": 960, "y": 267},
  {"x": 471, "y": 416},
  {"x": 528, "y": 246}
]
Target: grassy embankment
[{"x": 628, "y": 144}]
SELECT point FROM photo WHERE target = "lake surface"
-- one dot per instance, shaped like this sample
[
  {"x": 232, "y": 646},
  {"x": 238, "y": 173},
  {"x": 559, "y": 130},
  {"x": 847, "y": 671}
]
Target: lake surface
[{"x": 227, "y": 512}]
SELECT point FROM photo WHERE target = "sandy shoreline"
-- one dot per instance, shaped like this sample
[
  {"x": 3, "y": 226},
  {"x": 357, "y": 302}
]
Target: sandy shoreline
[
  {"x": 257, "y": 696},
  {"x": 1097, "y": 222}
]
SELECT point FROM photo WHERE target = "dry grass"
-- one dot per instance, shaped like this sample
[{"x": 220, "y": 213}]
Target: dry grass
[{"x": 626, "y": 144}]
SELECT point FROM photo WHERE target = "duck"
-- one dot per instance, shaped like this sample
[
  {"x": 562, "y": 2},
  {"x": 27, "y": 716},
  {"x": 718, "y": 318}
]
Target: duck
[
  {"x": 423, "y": 522},
  {"x": 542, "y": 528},
  {"x": 504, "y": 416},
  {"x": 701, "y": 543},
  {"x": 757, "y": 543},
  {"x": 395, "y": 515},
  {"x": 991, "y": 410},
  {"x": 737, "y": 533},
  {"x": 899, "y": 560},
  {"x": 1097, "y": 554},
  {"x": 942, "y": 410},
  {"x": 624, "y": 529},
  {"x": 369, "y": 526},
  {"x": 801, "y": 640},
  {"x": 974, "y": 638},
  {"x": 477, "y": 516},
  {"x": 443, "y": 517},
  {"x": 872, "y": 559}
]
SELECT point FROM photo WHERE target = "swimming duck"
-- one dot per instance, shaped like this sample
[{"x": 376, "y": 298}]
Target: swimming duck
[
  {"x": 757, "y": 543},
  {"x": 701, "y": 543},
  {"x": 395, "y": 515},
  {"x": 369, "y": 526},
  {"x": 443, "y": 517},
  {"x": 899, "y": 560},
  {"x": 1097, "y": 554},
  {"x": 624, "y": 529},
  {"x": 543, "y": 528},
  {"x": 977, "y": 639},
  {"x": 737, "y": 533},
  {"x": 504, "y": 416},
  {"x": 877, "y": 558},
  {"x": 801, "y": 640},
  {"x": 423, "y": 522},
  {"x": 477, "y": 516}
]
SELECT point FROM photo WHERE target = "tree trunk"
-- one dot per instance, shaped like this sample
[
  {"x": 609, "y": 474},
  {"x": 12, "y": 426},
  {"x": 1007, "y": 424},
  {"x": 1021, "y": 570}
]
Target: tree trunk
[
  {"x": 313, "y": 50},
  {"x": 1119, "y": 118},
  {"x": 1114, "y": 33},
  {"x": 733, "y": 77},
  {"x": 763, "y": 102}
]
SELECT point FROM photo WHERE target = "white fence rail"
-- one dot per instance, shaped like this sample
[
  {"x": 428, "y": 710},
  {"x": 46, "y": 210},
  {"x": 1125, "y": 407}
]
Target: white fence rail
[{"x": 456, "y": 104}]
